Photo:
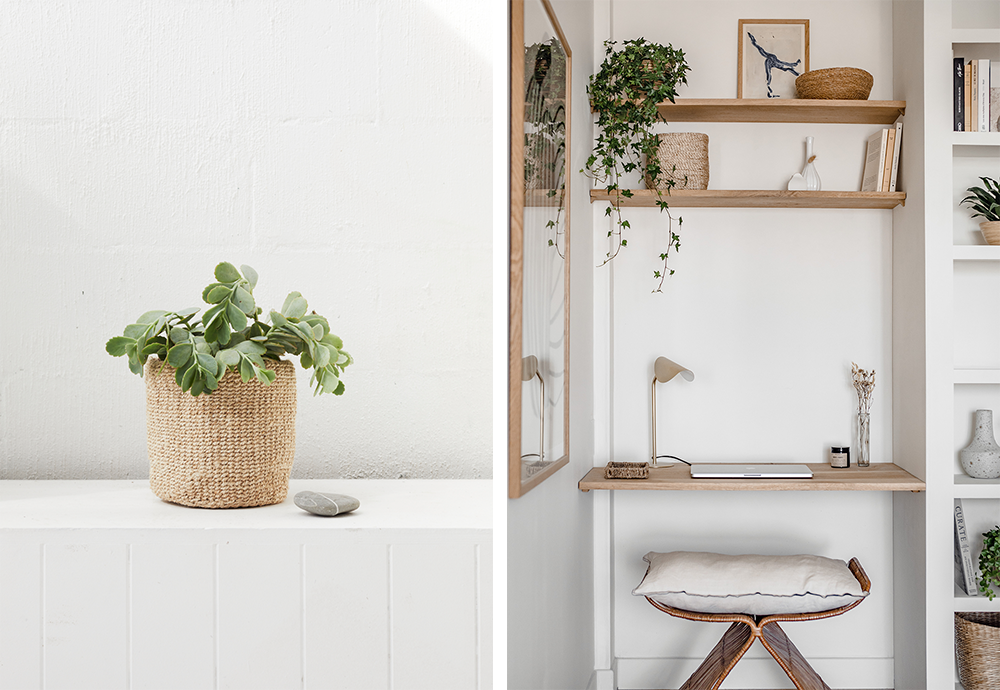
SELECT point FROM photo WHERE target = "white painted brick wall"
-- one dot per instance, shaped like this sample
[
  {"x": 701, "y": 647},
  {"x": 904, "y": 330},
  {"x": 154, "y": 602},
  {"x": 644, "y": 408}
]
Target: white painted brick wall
[{"x": 340, "y": 148}]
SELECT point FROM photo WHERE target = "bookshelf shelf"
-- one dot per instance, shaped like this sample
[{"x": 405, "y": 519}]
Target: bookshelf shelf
[
  {"x": 967, "y": 487},
  {"x": 975, "y": 139},
  {"x": 975, "y": 36},
  {"x": 976, "y": 252},
  {"x": 974, "y": 376},
  {"x": 757, "y": 198},
  {"x": 793, "y": 110}
]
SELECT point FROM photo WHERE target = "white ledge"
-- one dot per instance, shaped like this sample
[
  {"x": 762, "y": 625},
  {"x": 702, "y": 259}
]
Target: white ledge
[{"x": 435, "y": 504}]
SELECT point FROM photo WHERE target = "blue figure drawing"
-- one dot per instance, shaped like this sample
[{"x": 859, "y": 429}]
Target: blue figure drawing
[{"x": 771, "y": 61}]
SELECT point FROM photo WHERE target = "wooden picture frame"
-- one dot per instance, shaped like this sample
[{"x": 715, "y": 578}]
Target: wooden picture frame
[
  {"x": 538, "y": 371},
  {"x": 771, "y": 54}
]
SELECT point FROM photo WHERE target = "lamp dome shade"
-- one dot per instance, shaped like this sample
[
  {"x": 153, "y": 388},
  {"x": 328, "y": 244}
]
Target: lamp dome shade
[{"x": 665, "y": 369}]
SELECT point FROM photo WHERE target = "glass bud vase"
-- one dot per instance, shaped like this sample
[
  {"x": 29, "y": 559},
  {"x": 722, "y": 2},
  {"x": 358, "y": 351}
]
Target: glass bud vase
[
  {"x": 864, "y": 437},
  {"x": 981, "y": 458}
]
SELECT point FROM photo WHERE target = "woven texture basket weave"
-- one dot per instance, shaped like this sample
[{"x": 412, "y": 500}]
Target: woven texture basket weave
[
  {"x": 684, "y": 159},
  {"x": 977, "y": 645},
  {"x": 835, "y": 83},
  {"x": 231, "y": 449},
  {"x": 626, "y": 470}
]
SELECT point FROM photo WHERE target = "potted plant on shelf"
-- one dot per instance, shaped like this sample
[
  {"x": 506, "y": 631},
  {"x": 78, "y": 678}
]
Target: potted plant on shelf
[
  {"x": 985, "y": 201},
  {"x": 989, "y": 562},
  {"x": 220, "y": 400},
  {"x": 625, "y": 93}
]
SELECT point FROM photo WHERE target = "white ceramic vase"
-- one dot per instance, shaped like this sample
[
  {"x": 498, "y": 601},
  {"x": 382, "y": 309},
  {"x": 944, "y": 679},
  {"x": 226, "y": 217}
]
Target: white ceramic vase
[
  {"x": 809, "y": 173},
  {"x": 981, "y": 458}
]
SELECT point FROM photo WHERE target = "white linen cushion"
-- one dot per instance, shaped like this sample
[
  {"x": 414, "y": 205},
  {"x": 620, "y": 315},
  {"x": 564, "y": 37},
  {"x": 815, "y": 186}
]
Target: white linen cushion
[{"x": 755, "y": 585}]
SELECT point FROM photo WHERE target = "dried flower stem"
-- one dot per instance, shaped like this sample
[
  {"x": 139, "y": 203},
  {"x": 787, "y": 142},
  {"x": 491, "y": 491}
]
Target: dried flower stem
[{"x": 864, "y": 384}]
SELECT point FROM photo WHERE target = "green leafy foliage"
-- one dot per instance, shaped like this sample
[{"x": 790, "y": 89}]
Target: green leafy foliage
[
  {"x": 989, "y": 562},
  {"x": 230, "y": 336},
  {"x": 625, "y": 93},
  {"x": 985, "y": 201}
]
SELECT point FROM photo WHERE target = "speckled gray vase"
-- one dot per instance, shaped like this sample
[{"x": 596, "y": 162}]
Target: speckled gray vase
[{"x": 981, "y": 458}]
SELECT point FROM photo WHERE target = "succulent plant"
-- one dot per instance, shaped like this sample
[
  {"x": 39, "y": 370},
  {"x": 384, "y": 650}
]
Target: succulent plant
[{"x": 229, "y": 336}]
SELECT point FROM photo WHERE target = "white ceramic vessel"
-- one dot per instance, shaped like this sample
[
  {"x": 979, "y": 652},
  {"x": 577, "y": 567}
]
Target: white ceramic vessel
[{"x": 981, "y": 458}]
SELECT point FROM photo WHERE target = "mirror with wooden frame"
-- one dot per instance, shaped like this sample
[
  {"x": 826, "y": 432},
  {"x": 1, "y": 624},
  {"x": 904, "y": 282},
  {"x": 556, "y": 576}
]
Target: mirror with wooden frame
[{"x": 540, "y": 71}]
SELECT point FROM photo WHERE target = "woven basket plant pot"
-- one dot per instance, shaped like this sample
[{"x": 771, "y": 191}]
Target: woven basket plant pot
[
  {"x": 977, "y": 646},
  {"x": 231, "y": 449},
  {"x": 688, "y": 151},
  {"x": 991, "y": 231}
]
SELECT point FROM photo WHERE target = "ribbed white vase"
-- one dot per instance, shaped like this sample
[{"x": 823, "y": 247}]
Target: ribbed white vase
[{"x": 981, "y": 458}]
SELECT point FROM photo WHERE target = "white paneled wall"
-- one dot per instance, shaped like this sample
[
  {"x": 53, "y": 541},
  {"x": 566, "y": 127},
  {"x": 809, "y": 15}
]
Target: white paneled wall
[{"x": 137, "y": 594}]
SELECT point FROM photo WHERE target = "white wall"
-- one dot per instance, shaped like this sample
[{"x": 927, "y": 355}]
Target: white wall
[
  {"x": 341, "y": 149},
  {"x": 768, "y": 308},
  {"x": 549, "y": 529}
]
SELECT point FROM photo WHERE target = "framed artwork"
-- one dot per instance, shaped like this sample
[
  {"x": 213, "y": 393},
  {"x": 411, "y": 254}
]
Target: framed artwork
[
  {"x": 772, "y": 53},
  {"x": 541, "y": 67}
]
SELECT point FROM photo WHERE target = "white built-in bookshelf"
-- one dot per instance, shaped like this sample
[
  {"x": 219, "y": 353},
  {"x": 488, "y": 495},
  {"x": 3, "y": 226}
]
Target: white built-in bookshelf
[{"x": 970, "y": 282}]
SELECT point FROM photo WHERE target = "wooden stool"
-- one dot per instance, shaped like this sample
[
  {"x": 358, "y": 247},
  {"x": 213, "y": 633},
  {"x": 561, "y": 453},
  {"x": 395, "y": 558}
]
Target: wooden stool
[{"x": 745, "y": 629}]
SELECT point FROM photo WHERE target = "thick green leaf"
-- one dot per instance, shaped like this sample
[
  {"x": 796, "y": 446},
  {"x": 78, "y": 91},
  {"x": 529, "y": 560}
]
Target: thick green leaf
[
  {"x": 322, "y": 356},
  {"x": 222, "y": 335},
  {"x": 237, "y": 319},
  {"x": 137, "y": 330},
  {"x": 118, "y": 345},
  {"x": 317, "y": 331},
  {"x": 184, "y": 313},
  {"x": 179, "y": 373},
  {"x": 134, "y": 365},
  {"x": 180, "y": 354},
  {"x": 154, "y": 348},
  {"x": 331, "y": 339},
  {"x": 250, "y": 275},
  {"x": 218, "y": 293},
  {"x": 197, "y": 387},
  {"x": 250, "y": 347},
  {"x": 244, "y": 300},
  {"x": 179, "y": 335},
  {"x": 188, "y": 377},
  {"x": 211, "y": 382},
  {"x": 246, "y": 370},
  {"x": 229, "y": 358},
  {"x": 297, "y": 309},
  {"x": 306, "y": 361},
  {"x": 150, "y": 316},
  {"x": 208, "y": 363},
  {"x": 226, "y": 273},
  {"x": 292, "y": 296},
  {"x": 277, "y": 319}
]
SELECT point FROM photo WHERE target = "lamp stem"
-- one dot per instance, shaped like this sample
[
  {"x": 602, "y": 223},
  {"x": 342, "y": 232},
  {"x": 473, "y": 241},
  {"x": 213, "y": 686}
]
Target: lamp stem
[
  {"x": 652, "y": 396},
  {"x": 541, "y": 414}
]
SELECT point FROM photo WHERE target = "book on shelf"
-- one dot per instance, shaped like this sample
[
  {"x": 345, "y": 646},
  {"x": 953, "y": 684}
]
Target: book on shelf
[
  {"x": 965, "y": 574},
  {"x": 887, "y": 159},
  {"x": 897, "y": 144},
  {"x": 871, "y": 180},
  {"x": 983, "y": 89},
  {"x": 968, "y": 97},
  {"x": 958, "y": 70},
  {"x": 994, "y": 100}
]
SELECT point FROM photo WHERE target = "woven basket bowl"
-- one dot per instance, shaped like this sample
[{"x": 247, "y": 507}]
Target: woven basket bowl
[
  {"x": 977, "y": 646},
  {"x": 231, "y": 449},
  {"x": 991, "y": 231},
  {"x": 837, "y": 83},
  {"x": 683, "y": 158}
]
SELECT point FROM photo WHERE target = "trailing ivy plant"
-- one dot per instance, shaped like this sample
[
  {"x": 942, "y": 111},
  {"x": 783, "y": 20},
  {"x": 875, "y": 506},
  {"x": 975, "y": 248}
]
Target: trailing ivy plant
[
  {"x": 989, "y": 562},
  {"x": 625, "y": 93},
  {"x": 985, "y": 201},
  {"x": 230, "y": 336}
]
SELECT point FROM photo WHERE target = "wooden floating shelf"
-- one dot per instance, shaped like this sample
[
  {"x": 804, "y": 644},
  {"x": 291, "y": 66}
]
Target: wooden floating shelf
[
  {"x": 878, "y": 477},
  {"x": 968, "y": 487},
  {"x": 782, "y": 110},
  {"x": 756, "y": 198}
]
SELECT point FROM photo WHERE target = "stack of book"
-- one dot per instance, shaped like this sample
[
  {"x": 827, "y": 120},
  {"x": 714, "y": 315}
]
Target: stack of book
[
  {"x": 977, "y": 96},
  {"x": 965, "y": 572},
  {"x": 882, "y": 160}
]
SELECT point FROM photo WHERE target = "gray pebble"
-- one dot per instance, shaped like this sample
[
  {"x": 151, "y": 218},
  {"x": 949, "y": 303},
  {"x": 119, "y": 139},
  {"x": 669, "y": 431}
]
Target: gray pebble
[{"x": 326, "y": 505}]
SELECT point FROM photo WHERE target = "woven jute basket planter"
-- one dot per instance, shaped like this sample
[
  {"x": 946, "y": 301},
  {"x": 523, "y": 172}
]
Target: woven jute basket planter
[
  {"x": 835, "y": 83},
  {"x": 231, "y": 449},
  {"x": 991, "y": 231},
  {"x": 683, "y": 158},
  {"x": 977, "y": 646},
  {"x": 626, "y": 470}
]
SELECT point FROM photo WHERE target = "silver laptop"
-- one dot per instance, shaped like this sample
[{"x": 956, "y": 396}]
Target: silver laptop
[{"x": 761, "y": 471}]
